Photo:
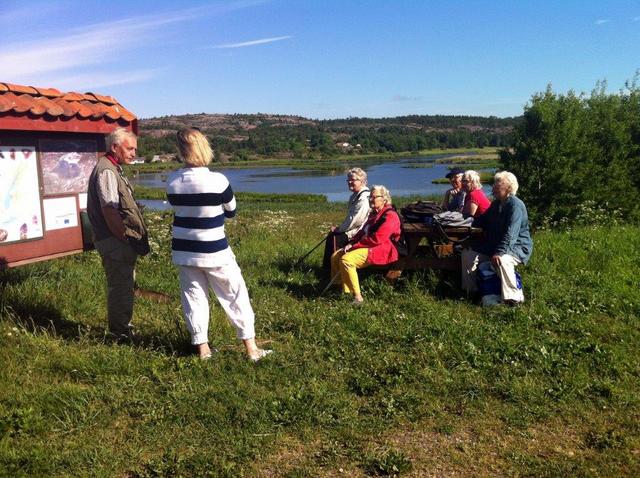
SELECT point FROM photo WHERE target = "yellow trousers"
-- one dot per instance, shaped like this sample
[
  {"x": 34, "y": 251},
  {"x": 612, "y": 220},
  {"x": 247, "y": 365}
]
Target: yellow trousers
[{"x": 346, "y": 267}]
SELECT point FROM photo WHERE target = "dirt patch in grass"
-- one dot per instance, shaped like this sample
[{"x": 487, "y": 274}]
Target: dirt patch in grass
[
  {"x": 313, "y": 458},
  {"x": 486, "y": 446},
  {"x": 468, "y": 446}
]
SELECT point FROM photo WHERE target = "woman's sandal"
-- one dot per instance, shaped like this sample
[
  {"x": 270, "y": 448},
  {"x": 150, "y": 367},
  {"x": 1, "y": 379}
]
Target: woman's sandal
[{"x": 262, "y": 353}]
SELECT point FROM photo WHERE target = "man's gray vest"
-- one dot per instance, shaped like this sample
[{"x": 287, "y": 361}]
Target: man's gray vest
[{"x": 135, "y": 228}]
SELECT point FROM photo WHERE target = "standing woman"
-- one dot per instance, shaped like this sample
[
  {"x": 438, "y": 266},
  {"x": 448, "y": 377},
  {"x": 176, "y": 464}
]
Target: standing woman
[
  {"x": 201, "y": 200},
  {"x": 357, "y": 213},
  {"x": 372, "y": 245}
]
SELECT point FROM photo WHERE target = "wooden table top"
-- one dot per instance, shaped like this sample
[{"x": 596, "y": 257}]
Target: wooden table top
[{"x": 428, "y": 229}]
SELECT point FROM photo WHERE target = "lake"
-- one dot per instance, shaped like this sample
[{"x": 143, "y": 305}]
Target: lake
[{"x": 403, "y": 177}]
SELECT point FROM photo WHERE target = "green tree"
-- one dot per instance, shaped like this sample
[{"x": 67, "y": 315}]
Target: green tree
[{"x": 570, "y": 149}]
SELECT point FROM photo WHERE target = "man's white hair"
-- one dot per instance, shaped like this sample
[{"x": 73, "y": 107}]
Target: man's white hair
[{"x": 117, "y": 136}]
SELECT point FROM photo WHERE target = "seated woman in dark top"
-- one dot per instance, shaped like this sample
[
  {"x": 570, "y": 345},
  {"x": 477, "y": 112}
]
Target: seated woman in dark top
[
  {"x": 506, "y": 243},
  {"x": 454, "y": 198}
]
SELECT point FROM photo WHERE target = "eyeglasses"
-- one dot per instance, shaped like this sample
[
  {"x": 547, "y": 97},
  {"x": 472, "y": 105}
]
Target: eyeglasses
[
  {"x": 353, "y": 180},
  {"x": 373, "y": 197}
]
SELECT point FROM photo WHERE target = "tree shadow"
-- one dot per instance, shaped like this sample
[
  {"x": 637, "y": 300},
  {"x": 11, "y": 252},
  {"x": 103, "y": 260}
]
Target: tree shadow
[
  {"x": 44, "y": 317},
  {"x": 287, "y": 267},
  {"x": 303, "y": 281}
]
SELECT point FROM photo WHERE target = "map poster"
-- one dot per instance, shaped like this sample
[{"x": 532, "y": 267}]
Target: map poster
[
  {"x": 67, "y": 165},
  {"x": 20, "y": 211}
]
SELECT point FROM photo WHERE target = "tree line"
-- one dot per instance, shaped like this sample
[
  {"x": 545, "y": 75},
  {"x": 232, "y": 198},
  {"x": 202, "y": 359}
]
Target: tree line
[
  {"x": 576, "y": 153},
  {"x": 268, "y": 137}
]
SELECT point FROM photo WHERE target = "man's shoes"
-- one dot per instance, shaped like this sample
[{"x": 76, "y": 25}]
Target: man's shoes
[{"x": 125, "y": 338}]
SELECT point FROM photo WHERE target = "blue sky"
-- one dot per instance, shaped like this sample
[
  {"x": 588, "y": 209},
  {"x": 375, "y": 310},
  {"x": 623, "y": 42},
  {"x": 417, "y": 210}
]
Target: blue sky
[{"x": 320, "y": 58}]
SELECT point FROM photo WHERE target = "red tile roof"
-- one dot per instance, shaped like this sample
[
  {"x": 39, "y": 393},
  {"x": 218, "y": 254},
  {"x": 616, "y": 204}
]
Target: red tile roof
[{"x": 52, "y": 103}]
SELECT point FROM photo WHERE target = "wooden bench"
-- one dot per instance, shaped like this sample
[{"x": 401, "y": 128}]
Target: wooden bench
[{"x": 431, "y": 247}]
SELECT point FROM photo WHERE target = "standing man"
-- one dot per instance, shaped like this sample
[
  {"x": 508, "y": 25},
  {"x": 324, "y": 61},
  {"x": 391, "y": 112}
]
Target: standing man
[{"x": 119, "y": 231}]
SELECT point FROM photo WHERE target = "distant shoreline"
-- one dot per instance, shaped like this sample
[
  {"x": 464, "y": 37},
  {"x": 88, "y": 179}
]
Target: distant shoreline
[{"x": 330, "y": 163}]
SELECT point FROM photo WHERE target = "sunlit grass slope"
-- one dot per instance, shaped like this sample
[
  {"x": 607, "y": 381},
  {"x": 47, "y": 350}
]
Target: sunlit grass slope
[{"x": 417, "y": 382}]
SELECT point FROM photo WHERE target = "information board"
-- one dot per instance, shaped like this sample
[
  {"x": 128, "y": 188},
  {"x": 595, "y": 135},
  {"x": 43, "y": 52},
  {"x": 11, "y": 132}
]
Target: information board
[{"x": 20, "y": 208}]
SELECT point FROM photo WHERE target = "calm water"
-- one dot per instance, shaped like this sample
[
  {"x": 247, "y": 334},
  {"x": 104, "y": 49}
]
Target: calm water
[{"x": 397, "y": 175}]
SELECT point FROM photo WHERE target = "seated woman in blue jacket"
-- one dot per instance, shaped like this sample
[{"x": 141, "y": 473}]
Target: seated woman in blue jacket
[{"x": 506, "y": 243}]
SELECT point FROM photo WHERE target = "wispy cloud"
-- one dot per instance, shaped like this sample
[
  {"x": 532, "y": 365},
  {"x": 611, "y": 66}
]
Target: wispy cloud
[
  {"x": 261, "y": 41},
  {"x": 101, "y": 79},
  {"x": 405, "y": 99},
  {"x": 602, "y": 21},
  {"x": 64, "y": 58}
]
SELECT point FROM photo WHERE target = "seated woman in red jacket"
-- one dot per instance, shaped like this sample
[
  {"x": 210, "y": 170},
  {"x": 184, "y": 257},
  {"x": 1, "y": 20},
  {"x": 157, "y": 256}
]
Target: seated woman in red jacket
[{"x": 372, "y": 245}]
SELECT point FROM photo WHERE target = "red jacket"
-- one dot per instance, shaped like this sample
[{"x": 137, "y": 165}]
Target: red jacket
[{"x": 379, "y": 242}]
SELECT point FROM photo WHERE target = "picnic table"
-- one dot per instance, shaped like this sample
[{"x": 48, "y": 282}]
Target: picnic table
[{"x": 430, "y": 246}]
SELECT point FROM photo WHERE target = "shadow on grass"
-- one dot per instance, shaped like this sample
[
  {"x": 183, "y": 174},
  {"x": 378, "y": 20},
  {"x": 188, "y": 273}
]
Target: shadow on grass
[
  {"x": 41, "y": 317},
  {"x": 309, "y": 281},
  {"x": 38, "y": 318},
  {"x": 304, "y": 281}
]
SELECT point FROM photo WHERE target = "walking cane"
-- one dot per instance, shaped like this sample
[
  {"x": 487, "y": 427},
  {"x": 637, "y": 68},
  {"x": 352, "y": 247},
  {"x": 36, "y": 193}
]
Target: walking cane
[
  {"x": 333, "y": 279},
  {"x": 301, "y": 260}
]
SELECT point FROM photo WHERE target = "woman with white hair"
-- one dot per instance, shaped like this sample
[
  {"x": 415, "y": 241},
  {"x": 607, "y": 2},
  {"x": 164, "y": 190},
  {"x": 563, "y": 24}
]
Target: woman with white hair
[
  {"x": 357, "y": 213},
  {"x": 475, "y": 201},
  {"x": 506, "y": 241},
  {"x": 201, "y": 200},
  {"x": 372, "y": 245}
]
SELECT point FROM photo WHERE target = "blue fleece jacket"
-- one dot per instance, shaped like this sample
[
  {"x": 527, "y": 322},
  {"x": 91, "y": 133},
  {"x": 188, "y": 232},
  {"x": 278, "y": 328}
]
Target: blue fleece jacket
[{"x": 506, "y": 230}]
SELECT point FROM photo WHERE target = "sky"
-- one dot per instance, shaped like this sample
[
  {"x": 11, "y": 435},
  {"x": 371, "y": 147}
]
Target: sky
[{"x": 320, "y": 58}]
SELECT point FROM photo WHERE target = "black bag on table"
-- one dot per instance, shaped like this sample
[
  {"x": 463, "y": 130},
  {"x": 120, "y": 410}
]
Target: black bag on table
[{"x": 420, "y": 211}]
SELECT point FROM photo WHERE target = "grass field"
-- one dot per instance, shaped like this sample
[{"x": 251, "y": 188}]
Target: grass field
[{"x": 416, "y": 382}]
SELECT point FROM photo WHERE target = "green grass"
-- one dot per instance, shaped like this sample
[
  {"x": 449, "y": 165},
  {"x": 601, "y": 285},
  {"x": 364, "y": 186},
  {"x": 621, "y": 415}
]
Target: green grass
[{"x": 417, "y": 381}]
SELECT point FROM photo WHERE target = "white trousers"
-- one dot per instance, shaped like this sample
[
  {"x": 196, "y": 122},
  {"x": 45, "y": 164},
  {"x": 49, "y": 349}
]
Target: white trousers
[
  {"x": 228, "y": 285},
  {"x": 506, "y": 271}
]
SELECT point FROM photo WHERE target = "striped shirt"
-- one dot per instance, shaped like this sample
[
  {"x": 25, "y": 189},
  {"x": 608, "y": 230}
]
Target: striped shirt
[{"x": 201, "y": 199}]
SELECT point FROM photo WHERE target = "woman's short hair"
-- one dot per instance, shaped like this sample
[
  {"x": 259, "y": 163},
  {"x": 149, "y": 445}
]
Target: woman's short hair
[
  {"x": 473, "y": 179},
  {"x": 382, "y": 191},
  {"x": 193, "y": 147},
  {"x": 508, "y": 178},
  {"x": 359, "y": 174},
  {"x": 117, "y": 136}
]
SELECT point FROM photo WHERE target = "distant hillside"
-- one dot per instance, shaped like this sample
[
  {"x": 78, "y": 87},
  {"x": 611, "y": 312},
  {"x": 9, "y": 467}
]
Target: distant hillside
[{"x": 241, "y": 136}]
